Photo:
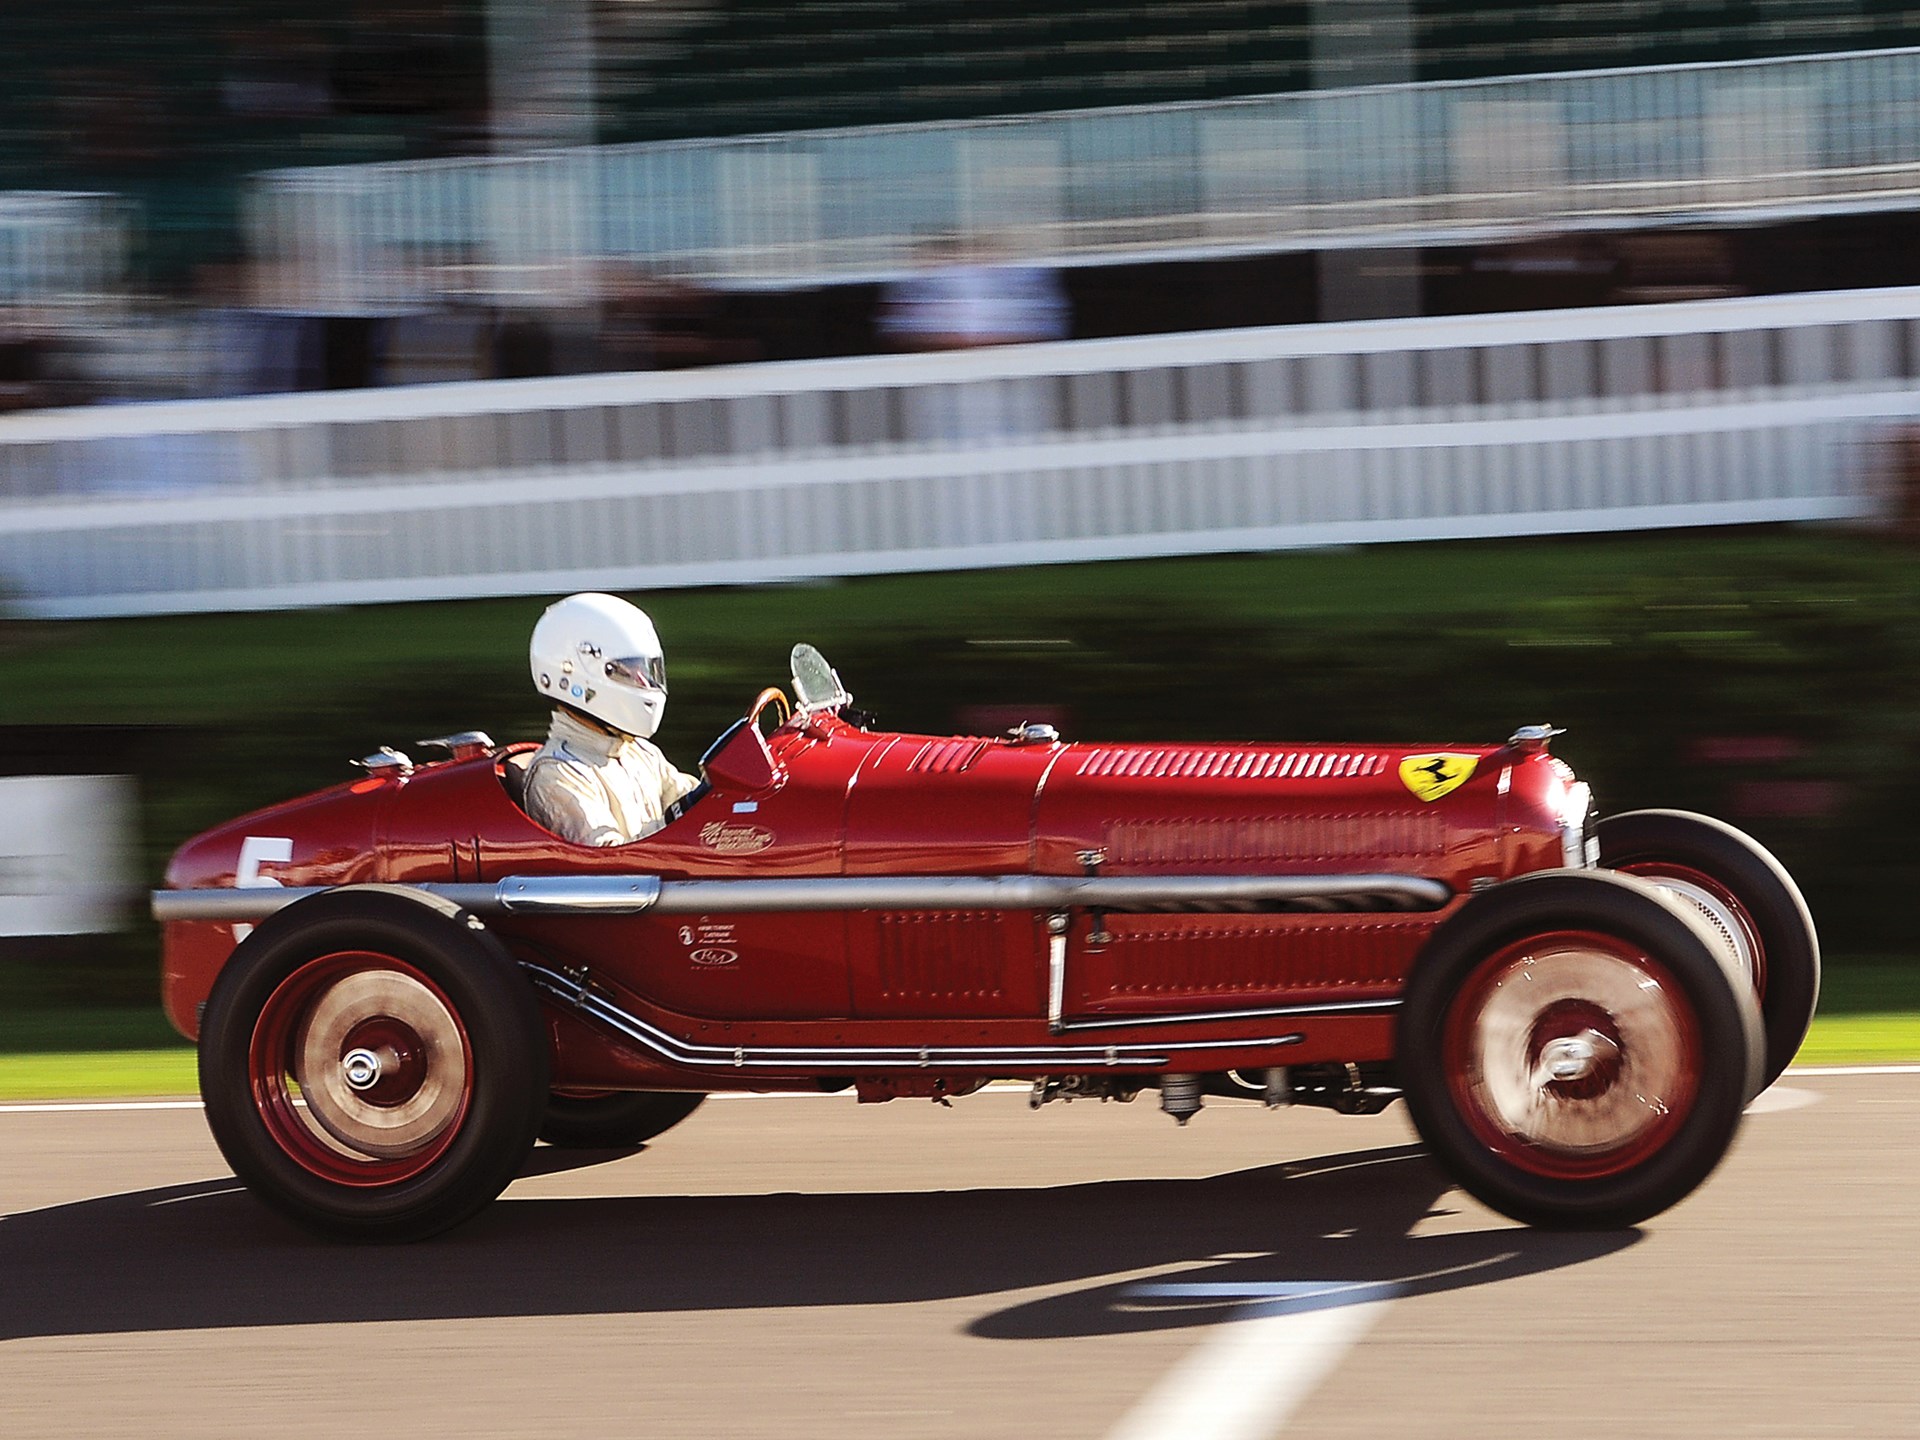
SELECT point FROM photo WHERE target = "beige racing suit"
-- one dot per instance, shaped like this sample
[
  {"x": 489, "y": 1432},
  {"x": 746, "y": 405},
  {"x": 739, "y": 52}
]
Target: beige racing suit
[{"x": 598, "y": 789}]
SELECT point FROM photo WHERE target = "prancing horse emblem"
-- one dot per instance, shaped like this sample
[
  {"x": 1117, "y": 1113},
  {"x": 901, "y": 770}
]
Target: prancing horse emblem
[{"x": 1433, "y": 775}]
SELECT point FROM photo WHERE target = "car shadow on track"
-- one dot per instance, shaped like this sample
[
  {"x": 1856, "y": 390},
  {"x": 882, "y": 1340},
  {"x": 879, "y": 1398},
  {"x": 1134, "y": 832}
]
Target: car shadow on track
[{"x": 206, "y": 1255}]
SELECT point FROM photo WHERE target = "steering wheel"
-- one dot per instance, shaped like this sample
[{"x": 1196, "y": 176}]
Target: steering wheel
[{"x": 768, "y": 698}]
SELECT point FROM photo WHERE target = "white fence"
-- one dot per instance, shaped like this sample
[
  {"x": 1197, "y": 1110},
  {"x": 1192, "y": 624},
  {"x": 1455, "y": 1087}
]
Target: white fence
[
  {"x": 1727, "y": 411},
  {"x": 1396, "y": 164}
]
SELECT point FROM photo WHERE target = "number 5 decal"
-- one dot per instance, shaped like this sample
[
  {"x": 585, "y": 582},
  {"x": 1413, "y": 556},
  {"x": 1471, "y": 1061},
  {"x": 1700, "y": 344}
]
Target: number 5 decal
[{"x": 255, "y": 851}]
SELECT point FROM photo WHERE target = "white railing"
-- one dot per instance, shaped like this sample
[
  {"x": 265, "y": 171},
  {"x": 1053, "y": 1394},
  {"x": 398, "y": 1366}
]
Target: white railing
[
  {"x": 1712, "y": 412},
  {"x": 1397, "y": 164}
]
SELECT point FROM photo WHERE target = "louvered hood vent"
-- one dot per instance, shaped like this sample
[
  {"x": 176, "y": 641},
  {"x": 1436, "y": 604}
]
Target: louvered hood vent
[{"x": 1209, "y": 762}]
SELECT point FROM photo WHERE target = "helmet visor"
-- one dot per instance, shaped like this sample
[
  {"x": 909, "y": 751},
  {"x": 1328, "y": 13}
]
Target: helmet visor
[{"x": 642, "y": 672}]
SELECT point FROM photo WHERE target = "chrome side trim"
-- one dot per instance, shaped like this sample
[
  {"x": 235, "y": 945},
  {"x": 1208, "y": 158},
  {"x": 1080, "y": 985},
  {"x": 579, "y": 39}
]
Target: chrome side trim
[
  {"x": 1051, "y": 892},
  {"x": 577, "y": 894},
  {"x": 631, "y": 894},
  {"x": 1265, "y": 1012},
  {"x": 800, "y": 1059}
]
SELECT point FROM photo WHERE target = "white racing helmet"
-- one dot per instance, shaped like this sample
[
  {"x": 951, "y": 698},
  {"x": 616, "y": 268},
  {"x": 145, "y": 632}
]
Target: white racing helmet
[{"x": 600, "y": 655}]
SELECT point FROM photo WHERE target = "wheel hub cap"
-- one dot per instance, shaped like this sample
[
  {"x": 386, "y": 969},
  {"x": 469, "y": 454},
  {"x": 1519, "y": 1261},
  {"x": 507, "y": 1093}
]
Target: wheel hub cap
[
  {"x": 1571, "y": 1057},
  {"x": 1577, "y": 1053},
  {"x": 362, "y": 1069},
  {"x": 381, "y": 1064}
]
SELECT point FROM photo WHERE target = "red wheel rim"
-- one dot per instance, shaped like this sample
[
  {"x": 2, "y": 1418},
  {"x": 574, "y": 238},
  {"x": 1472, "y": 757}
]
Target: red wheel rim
[
  {"x": 1572, "y": 1056},
  {"x": 1718, "y": 905},
  {"x": 361, "y": 1069}
]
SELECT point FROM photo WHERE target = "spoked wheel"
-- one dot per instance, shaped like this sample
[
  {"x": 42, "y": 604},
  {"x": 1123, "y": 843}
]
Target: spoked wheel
[
  {"x": 361, "y": 1068},
  {"x": 1576, "y": 1051},
  {"x": 371, "y": 1067},
  {"x": 620, "y": 1118},
  {"x": 1749, "y": 902},
  {"x": 1572, "y": 1055}
]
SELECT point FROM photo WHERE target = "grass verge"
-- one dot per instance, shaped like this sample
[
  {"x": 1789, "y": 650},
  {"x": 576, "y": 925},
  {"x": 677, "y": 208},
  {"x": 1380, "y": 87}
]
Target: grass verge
[
  {"x": 36, "y": 1073},
  {"x": 98, "y": 1074}
]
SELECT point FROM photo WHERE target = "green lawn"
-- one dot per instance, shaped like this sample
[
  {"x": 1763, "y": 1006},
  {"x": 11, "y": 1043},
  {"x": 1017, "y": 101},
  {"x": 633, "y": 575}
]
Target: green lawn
[
  {"x": 97, "y": 1074},
  {"x": 78, "y": 1053}
]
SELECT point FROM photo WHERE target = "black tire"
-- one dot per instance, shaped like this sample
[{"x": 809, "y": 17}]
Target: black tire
[
  {"x": 1746, "y": 895},
  {"x": 1656, "y": 1076},
  {"x": 608, "y": 1122},
  {"x": 373, "y": 1064}
]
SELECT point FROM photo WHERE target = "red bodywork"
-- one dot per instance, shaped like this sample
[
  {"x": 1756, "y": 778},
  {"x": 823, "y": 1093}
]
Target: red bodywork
[{"x": 845, "y": 801}]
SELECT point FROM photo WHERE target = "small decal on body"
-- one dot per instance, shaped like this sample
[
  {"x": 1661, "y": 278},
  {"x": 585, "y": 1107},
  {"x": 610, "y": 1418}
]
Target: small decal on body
[
  {"x": 710, "y": 944},
  {"x": 1438, "y": 773},
  {"x": 735, "y": 839}
]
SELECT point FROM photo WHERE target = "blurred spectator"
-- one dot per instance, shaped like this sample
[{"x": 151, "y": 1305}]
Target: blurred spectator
[
  {"x": 1676, "y": 265},
  {"x": 255, "y": 331},
  {"x": 629, "y": 319},
  {"x": 29, "y": 362},
  {"x": 449, "y": 337},
  {"x": 650, "y": 323},
  {"x": 963, "y": 300},
  {"x": 960, "y": 298},
  {"x": 225, "y": 336},
  {"x": 523, "y": 345}
]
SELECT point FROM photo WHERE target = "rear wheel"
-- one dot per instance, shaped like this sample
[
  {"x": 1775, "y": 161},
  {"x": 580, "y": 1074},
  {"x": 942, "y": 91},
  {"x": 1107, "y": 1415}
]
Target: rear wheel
[
  {"x": 1747, "y": 899},
  {"x": 604, "y": 1122},
  {"x": 373, "y": 1067},
  {"x": 1576, "y": 1051}
]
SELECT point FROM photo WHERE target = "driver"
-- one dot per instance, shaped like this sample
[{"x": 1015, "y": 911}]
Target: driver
[{"x": 598, "y": 780}]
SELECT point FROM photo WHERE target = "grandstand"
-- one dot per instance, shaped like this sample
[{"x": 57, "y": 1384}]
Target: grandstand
[
  {"x": 172, "y": 103},
  {"x": 1066, "y": 130},
  {"x": 752, "y": 65}
]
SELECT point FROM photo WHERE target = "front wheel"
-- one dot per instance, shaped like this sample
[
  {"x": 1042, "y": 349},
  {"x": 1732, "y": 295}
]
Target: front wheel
[
  {"x": 1747, "y": 899},
  {"x": 1575, "y": 1050},
  {"x": 373, "y": 1067}
]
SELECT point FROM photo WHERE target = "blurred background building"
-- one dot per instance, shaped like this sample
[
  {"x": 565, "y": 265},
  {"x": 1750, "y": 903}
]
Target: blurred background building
[{"x": 284, "y": 195}]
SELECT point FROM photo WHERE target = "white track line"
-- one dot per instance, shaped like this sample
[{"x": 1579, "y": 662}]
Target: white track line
[
  {"x": 64, "y": 1107},
  {"x": 1250, "y": 1373}
]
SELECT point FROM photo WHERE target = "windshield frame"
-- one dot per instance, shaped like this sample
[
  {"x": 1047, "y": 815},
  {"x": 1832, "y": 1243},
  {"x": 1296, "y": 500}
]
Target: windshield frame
[{"x": 802, "y": 705}]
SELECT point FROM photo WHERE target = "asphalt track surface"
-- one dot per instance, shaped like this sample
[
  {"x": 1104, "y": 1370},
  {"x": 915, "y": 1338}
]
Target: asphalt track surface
[{"x": 806, "y": 1267}]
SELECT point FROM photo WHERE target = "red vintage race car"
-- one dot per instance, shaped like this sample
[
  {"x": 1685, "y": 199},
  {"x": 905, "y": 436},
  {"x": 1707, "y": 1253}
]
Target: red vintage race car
[{"x": 397, "y": 984}]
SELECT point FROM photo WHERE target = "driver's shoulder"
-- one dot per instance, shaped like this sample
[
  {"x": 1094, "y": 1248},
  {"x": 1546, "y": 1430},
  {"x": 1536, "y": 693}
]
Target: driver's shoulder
[{"x": 554, "y": 769}]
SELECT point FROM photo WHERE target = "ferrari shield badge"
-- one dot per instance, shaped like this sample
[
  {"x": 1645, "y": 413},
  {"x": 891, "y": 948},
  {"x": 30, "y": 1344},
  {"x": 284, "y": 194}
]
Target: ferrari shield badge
[{"x": 1431, "y": 776}]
